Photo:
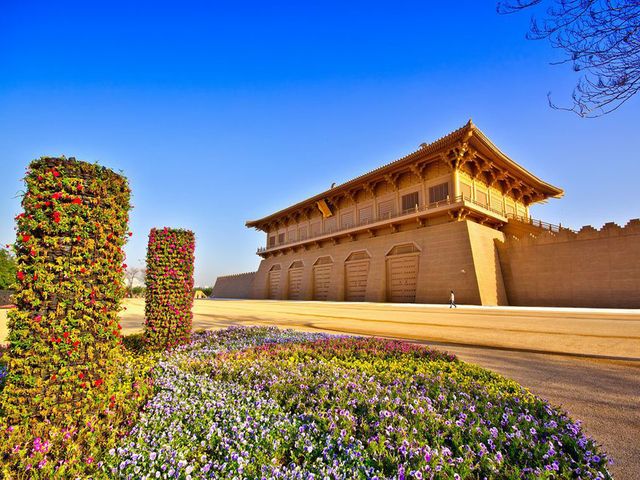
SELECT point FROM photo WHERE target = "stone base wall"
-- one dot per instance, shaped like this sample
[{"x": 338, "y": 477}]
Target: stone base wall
[
  {"x": 590, "y": 268},
  {"x": 459, "y": 256},
  {"x": 234, "y": 286}
]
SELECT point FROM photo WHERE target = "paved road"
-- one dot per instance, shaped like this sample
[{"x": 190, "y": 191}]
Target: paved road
[{"x": 584, "y": 361}]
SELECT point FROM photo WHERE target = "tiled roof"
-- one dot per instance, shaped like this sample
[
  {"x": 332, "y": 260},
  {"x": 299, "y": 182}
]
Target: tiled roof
[{"x": 469, "y": 129}]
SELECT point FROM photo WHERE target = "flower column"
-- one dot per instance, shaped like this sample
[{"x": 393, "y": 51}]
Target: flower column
[
  {"x": 169, "y": 294},
  {"x": 64, "y": 335}
]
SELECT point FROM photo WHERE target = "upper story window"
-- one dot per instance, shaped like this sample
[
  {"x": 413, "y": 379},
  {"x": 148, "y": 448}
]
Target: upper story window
[
  {"x": 365, "y": 215},
  {"x": 272, "y": 241},
  {"x": 465, "y": 190},
  {"x": 330, "y": 225},
  {"x": 439, "y": 193},
  {"x": 481, "y": 197},
  {"x": 409, "y": 202},
  {"x": 385, "y": 209},
  {"x": 346, "y": 220},
  {"x": 281, "y": 238}
]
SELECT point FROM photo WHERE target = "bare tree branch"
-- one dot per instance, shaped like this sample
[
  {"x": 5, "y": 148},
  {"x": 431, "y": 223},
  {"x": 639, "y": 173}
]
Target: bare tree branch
[{"x": 600, "y": 38}]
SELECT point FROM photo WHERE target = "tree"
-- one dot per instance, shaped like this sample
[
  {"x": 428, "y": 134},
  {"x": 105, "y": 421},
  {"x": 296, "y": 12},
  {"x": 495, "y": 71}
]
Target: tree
[
  {"x": 601, "y": 39},
  {"x": 130, "y": 274},
  {"x": 7, "y": 269}
]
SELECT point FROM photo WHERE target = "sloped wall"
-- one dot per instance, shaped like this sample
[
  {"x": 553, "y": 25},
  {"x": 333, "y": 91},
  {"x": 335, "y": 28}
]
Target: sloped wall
[
  {"x": 487, "y": 264},
  {"x": 591, "y": 268},
  {"x": 234, "y": 286}
]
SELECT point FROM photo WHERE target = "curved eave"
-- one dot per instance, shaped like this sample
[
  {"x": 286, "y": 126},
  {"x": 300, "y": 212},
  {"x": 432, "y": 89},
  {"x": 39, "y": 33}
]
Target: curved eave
[
  {"x": 466, "y": 132},
  {"x": 429, "y": 149},
  {"x": 544, "y": 187}
]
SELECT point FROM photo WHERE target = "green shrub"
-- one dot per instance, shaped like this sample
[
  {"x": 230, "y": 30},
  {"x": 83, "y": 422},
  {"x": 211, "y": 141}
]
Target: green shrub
[
  {"x": 134, "y": 343},
  {"x": 7, "y": 269},
  {"x": 66, "y": 390},
  {"x": 169, "y": 293}
]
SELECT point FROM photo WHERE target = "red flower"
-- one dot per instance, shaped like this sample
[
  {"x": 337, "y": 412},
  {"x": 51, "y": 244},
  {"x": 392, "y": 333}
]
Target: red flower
[
  {"x": 130, "y": 234},
  {"x": 66, "y": 335},
  {"x": 55, "y": 173},
  {"x": 56, "y": 217},
  {"x": 47, "y": 203},
  {"x": 77, "y": 201},
  {"x": 20, "y": 275},
  {"x": 83, "y": 384},
  {"x": 76, "y": 343},
  {"x": 40, "y": 178},
  {"x": 79, "y": 187},
  {"x": 81, "y": 375},
  {"x": 56, "y": 195},
  {"x": 53, "y": 377},
  {"x": 26, "y": 238},
  {"x": 98, "y": 382},
  {"x": 37, "y": 318},
  {"x": 35, "y": 276}
]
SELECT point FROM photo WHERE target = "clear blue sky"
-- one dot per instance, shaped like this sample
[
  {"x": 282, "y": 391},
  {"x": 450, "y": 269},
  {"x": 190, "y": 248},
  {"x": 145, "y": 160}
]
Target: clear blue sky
[{"x": 208, "y": 106}]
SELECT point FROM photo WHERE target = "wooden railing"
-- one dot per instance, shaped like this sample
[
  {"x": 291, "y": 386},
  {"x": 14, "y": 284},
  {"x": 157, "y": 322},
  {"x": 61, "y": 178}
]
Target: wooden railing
[
  {"x": 372, "y": 220},
  {"x": 537, "y": 223},
  {"x": 412, "y": 212}
]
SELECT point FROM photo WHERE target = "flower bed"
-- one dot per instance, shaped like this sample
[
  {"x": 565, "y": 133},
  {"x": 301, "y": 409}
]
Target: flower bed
[{"x": 265, "y": 403}]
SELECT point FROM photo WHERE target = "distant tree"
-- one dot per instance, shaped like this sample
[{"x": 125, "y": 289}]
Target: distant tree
[
  {"x": 138, "y": 291},
  {"x": 7, "y": 269},
  {"x": 600, "y": 38},
  {"x": 130, "y": 274}
]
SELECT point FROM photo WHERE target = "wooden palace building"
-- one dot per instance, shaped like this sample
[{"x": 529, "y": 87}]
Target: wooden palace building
[
  {"x": 409, "y": 231},
  {"x": 453, "y": 215}
]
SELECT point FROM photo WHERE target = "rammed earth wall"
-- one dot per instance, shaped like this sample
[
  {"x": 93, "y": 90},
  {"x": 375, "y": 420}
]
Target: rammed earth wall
[
  {"x": 591, "y": 268},
  {"x": 484, "y": 266},
  {"x": 234, "y": 286}
]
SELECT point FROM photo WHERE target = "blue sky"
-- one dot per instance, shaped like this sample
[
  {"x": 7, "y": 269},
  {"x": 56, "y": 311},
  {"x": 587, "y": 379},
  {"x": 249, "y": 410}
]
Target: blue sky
[{"x": 223, "y": 112}]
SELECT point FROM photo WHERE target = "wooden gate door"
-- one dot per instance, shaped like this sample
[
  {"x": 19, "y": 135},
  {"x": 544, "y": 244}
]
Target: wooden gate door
[
  {"x": 274, "y": 282},
  {"x": 356, "y": 274},
  {"x": 402, "y": 278}
]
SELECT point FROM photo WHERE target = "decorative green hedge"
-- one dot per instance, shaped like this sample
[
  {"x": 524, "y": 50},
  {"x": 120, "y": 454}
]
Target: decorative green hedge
[{"x": 169, "y": 294}]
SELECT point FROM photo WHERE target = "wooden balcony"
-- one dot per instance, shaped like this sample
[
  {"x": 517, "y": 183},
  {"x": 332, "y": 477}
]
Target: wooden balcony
[{"x": 458, "y": 206}]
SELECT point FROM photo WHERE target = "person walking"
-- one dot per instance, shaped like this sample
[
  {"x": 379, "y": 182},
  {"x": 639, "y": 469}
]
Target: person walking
[{"x": 452, "y": 300}]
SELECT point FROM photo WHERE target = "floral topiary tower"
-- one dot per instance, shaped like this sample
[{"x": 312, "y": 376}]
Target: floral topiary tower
[
  {"x": 64, "y": 339},
  {"x": 169, "y": 294}
]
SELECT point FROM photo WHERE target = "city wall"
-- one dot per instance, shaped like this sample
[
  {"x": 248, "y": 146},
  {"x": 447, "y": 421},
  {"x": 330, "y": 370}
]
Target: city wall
[
  {"x": 234, "y": 286},
  {"x": 590, "y": 268}
]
